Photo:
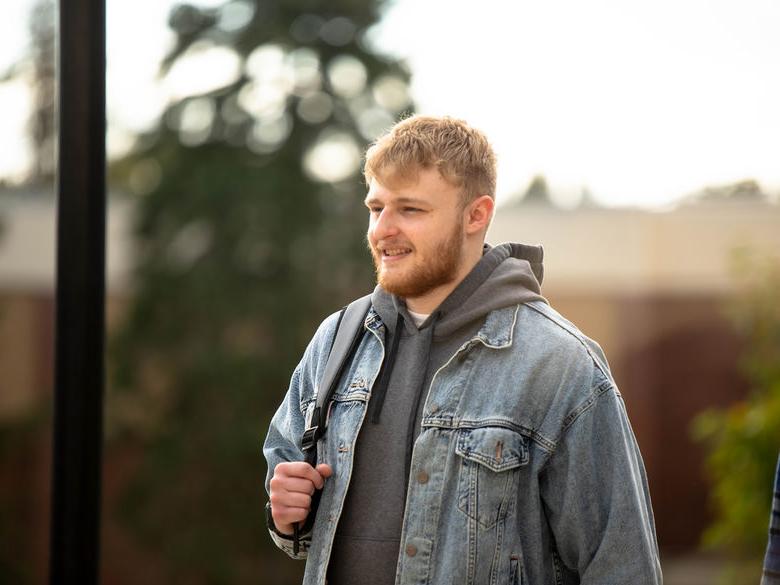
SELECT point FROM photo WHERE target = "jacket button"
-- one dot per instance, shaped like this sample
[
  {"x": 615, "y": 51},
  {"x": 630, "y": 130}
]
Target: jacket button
[
  {"x": 411, "y": 550},
  {"x": 422, "y": 477}
]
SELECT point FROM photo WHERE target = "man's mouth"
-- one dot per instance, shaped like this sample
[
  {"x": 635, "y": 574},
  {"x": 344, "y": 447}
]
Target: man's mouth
[{"x": 395, "y": 252}]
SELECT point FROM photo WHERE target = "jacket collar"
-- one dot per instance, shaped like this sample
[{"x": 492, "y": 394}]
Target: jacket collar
[
  {"x": 497, "y": 331},
  {"x": 499, "y": 327}
]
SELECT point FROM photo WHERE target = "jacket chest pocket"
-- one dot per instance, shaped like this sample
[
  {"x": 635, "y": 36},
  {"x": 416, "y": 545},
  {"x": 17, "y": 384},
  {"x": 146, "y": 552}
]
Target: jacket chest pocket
[
  {"x": 348, "y": 403},
  {"x": 490, "y": 461},
  {"x": 343, "y": 416}
]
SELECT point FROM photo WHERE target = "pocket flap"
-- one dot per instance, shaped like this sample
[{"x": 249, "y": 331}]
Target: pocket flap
[
  {"x": 495, "y": 447},
  {"x": 356, "y": 390}
]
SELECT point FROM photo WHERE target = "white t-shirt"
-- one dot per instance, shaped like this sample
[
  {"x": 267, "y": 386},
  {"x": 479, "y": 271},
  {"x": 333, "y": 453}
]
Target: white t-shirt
[{"x": 419, "y": 318}]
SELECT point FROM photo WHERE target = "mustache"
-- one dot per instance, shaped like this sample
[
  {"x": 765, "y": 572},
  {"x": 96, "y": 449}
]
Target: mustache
[{"x": 387, "y": 244}]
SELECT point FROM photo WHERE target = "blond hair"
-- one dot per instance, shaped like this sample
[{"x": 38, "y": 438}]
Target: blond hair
[{"x": 462, "y": 155}]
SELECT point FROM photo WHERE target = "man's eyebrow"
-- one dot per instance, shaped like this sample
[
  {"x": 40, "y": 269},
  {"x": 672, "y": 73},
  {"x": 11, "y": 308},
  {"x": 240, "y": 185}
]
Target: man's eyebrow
[
  {"x": 412, "y": 200},
  {"x": 400, "y": 200}
]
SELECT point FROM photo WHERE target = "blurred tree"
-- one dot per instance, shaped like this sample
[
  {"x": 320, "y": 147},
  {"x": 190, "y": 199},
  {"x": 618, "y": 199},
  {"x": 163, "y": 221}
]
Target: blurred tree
[
  {"x": 250, "y": 229},
  {"x": 746, "y": 190},
  {"x": 38, "y": 68},
  {"x": 20, "y": 439},
  {"x": 743, "y": 440},
  {"x": 42, "y": 126},
  {"x": 537, "y": 192},
  {"x": 587, "y": 199},
  {"x": 21, "y": 433}
]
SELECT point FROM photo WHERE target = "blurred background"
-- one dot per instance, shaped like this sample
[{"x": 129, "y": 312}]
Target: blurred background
[{"x": 637, "y": 142}]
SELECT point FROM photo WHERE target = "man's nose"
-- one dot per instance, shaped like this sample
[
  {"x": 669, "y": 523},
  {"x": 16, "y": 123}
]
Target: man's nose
[{"x": 385, "y": 225}]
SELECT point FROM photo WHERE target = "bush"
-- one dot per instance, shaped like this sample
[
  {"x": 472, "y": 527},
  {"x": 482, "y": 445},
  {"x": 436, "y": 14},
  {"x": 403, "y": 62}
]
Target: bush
[{"x": 743, "y": 440}]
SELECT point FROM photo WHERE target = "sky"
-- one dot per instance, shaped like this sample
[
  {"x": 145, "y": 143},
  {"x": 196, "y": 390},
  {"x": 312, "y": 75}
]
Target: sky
[{"x": 639, "y": 102}]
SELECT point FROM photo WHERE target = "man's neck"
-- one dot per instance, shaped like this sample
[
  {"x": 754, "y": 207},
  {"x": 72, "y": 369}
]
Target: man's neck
[{"x": 427, "y": 303}]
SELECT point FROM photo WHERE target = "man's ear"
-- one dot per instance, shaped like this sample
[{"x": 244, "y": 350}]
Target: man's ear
[{"x": 478, "y": 214}]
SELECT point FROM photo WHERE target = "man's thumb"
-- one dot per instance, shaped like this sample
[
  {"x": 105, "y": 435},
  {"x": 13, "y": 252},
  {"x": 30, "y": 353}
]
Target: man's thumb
[{"x": 324, "y": 470}]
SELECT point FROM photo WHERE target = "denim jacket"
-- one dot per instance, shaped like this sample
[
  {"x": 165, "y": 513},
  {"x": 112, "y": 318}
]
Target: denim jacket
[{"x": 526, "y": 470}]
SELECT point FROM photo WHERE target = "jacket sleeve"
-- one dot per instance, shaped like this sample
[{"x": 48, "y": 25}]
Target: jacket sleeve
[
  {"x": 596, "y": 496},
  {"x": 283, "y": 442}
]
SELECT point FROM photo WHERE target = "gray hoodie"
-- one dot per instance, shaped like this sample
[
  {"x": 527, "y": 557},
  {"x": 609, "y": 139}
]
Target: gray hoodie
[{"x": 367, "y": 540}]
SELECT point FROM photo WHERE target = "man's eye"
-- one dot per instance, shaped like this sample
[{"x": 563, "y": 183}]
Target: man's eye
[{"x": 411, "y": 209}]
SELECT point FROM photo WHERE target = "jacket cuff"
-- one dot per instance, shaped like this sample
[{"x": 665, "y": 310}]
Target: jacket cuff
[
  {"x": 286, "y": 544},
  {"x": 285, "y": 541}
]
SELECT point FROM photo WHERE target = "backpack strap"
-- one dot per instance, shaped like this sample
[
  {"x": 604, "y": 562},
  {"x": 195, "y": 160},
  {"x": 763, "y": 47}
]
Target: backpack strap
[{"x": 349, "y": 332}]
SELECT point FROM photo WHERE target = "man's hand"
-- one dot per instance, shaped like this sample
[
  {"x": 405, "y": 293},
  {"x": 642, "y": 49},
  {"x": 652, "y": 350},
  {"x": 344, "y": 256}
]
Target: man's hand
[{"x": 291, "y": 489}]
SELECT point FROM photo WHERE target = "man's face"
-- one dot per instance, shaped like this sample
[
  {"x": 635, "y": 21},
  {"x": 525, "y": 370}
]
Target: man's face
[{"x": 415, "y": 234}]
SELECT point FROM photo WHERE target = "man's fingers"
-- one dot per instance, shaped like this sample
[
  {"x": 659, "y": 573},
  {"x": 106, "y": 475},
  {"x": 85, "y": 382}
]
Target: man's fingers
[
  {"x": 293, "y": 469},
  {"x": 290, "y": 500},
  {"x": 292, "y": 487},
  {"x": 288, "y": 515},
  {"x": 301, "y": 469},
  {"x": 295, "y": 484}
]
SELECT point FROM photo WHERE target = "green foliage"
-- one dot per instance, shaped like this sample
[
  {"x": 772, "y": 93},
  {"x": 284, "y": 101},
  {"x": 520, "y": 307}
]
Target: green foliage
[
  {"x": 38, "y": 69},
  {"x": 20, "y": 438},
  {"x": 243, "y": 249},
  {"x": 743, "y": 440},
  {"x": 537, "y": 192},
  {"x": 747, "y": 190}
]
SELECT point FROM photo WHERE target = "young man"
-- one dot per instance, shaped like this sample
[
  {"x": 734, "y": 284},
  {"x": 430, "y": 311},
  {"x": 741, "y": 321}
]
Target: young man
[{"x": 476, "y": 436}]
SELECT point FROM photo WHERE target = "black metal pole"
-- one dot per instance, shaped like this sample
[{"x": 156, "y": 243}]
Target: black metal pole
[{"x": 81, "y": 227}]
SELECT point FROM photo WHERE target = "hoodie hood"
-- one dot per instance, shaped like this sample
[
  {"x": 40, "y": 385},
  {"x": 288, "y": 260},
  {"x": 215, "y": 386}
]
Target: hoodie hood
[{"x": 506, "y": 275}]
